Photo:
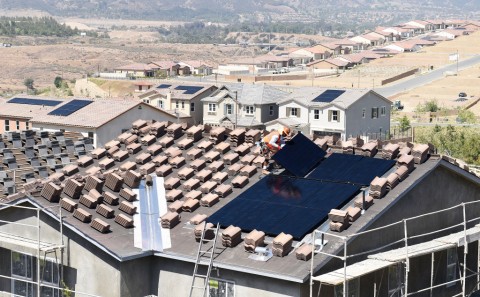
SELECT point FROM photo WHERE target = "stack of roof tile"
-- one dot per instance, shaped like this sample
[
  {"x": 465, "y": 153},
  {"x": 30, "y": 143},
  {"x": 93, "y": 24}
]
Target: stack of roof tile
[
  {"x": 404, "y": 151},
  {"x": 175, "y": 131},
  {"x": 114, "y": 182},
  {"x": 217, "y": 134},
  {"x": 231, "y": 236},
  {"x": 322, "y": 143},
  {"x": 348, "y": 148},
  {"x": 359, "y": 202},
  {"x": 304, "y": 252},
  {"x": 420, "y": 153},
  {"x": 392, "y": 181},
  {"x": 158, "y": 128},
  {"x": 237, "y": 137},
  {"x": 252, "y": 136},
  {"x": 243, "y": 149},
  {"x": 132, "y": 178},
  {"x": 198, "y": 219},
  {"x": 204, "y": 227},
  {"x": 195, "y": 133},
  {"x": 356, "y": 141},
  {"x": 402, "y": 172},
  {"x": 378, "y": 187},
  {"x": 240, "y": 181},
  {"x": 209, "y": 200},
  {"x": 282, "y": 244},
  {"x": 339, "y": 220},
  {"x": 73, "y": 188},
  {"x": 93, "y": 182},
  {"x": 390, "y": 151},
  {"x": 170, "y": 220},
  {"x": 369, "y": 149},
  {"x": 254, "y": 239},
  {"x": 353, "y": 213},
  {"x": 408, "y": 161},
  {"x": 51, "y": 192},
  {"x": 139, "y": 124}
]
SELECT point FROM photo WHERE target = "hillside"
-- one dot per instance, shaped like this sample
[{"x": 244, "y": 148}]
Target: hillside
[{"x": 258, "y": 10}]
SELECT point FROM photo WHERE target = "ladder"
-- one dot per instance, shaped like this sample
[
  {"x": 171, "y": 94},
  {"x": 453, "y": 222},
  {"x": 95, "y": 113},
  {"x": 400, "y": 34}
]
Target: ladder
[{"x": 210, "y": 252}]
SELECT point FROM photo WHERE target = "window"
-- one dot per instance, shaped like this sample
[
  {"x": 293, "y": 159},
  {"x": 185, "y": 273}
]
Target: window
[
  {"x": 451, "y": 266},
  {"x": 212, "y": 107},
  {"x": 192, "y": 106},
  {"x": 27, "y": 125},
  {"x": 49, "y": 276},
  {"x": 7, "y": 125},
  {"x": 272, "y": 110},
  {"x": 334, "y": 116},
  {"x": 90, "y": 134},
  {"x": 176, "y": 104},
  {"x": 183, "y": 104},
  {"x": 364, "y": 112},
  {"x": 249, "y": 109},
  {"x": 160, "y": 103},
  {"x": 294, "y": 112},
  {"x": 228, "y": 109},
  {"x": 353, "y": 288},
  {"x": 146, "y": 101},
  {"x": 395, "y": 280},
  {"x": 221, "y": 288},
  {"x": 383, "y": 111},
  {"x": 22, "y": 268},
  {"x": 17, "y": 123},
  {"x": 374, "y": 112},
  {"x": 316, "y": 114}
]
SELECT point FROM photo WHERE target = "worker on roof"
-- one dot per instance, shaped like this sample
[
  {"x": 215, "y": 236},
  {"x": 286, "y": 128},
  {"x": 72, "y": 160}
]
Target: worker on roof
[{"x": 274, "y": 141}]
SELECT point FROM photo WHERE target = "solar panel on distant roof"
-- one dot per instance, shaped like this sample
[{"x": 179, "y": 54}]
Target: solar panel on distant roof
[
  {"x": 278, "y": 204},
  {"x": 32, "y": 101},
  {"x": 351, "y": 168},
  {"x": 328, "y": 96},
  {"x": 164, "y": 86},
  {"x": 299, "y": 155},
  {"x": 189, "y": 90},
  {"x": 70, "y": 107}
]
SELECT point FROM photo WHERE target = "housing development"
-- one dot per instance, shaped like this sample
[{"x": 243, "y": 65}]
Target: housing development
[{"x": 174, "y": 188}]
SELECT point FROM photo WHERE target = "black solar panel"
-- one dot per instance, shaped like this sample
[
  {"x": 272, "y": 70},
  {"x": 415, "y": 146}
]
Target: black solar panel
[
  {"x": 163, "y": 86},
  {"x": 299, "y": 155},
  {"x": 278, "y": 204},
  {"x": 351, "y": 168},
  {"x": 32, "y": 101},
  {"x": 70, "y": 107},
  {"x": 189, "y": 89},
  {"x": 328, "y": 96}
]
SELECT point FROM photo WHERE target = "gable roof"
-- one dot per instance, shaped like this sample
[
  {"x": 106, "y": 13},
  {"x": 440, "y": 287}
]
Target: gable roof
[{"x": 249, "y": 94}]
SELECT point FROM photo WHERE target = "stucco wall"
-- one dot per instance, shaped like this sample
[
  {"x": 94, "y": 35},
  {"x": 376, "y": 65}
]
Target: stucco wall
[
  {"x": 323, "y": 124},
  {"x": 13, "y": 124},
  {"x": 303, "y": 111}
]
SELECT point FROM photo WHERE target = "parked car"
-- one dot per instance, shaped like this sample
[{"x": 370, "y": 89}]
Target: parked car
[
  {"x": 284, "y": 70},
  {"x": 462, "y": 94}
]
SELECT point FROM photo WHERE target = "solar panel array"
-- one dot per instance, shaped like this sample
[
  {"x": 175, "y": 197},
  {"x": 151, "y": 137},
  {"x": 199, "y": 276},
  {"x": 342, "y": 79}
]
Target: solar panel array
[
  {"x": 32, "y": 101},
  {"x": 164, "y": 86},
  {"x": 278, "y": 204},
  {"x": 70, "y": 107},
  {"x": 299, "y": 155},
  {"x": 328, "y": 96},
  {"x": 351, "y": 168},
  {"x": 189, "y": 90}
]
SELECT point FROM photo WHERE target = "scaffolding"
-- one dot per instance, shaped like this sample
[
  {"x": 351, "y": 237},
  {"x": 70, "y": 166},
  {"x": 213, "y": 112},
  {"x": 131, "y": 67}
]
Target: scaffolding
[
  {"x": 42, "y": 248},
  {"x": 388, "y": 254}
]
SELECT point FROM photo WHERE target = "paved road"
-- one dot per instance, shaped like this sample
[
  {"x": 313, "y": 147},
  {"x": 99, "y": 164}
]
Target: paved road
[{"x": 421, "y": 80}]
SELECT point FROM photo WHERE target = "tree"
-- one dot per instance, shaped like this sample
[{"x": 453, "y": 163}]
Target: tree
[
  {"x": 404, "y": 123},
  {"x": 58, "y": 82},
  {"x": 28, "y": 82},
  {"x": 466, "y": 116}
]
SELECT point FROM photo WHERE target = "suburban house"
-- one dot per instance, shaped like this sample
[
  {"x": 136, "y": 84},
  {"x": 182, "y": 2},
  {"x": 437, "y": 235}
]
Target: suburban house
[
  {"x": 96, "y": 119},
  {"x": 370, "y": 39},
  {"x": 164, "y": 68},
  {"x": 143, "y": 86},
  {"x": 411, "y": 45},
  {"x": 317, "y": 52},
  {"x": 344, "y": 113},
  {"x": 329, "y": 64},
  {"x": 425, "y": 25},
  {"x": 242, "y": 105},
  {"x": 183, "y": 100},
  {"x": 136, "y": 70},
  {"x": 437, "y": 24},
  {"x": 375, "y": 224},
  {"x": 198, "y": 67},
  {"x": 349, "y": 46}
]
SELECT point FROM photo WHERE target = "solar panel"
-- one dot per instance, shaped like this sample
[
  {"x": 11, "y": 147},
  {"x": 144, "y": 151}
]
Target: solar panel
[
  {"x": 278, "y": 204},
  {"x": 189, "y": 89},
  {"x": 70, "y": 107},
  {"x": 351, "y": 168},
  {"x": 164, "y": 86},
  {"x": 32, "y": 101},
  {"x": 299, "y": 155},
  {"x": 328, "y": 96}
]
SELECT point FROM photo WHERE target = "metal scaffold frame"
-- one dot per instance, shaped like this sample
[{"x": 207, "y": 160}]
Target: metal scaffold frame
[
  {"x": 379, "y": 258},
  {"x": 42, "y": 248}
]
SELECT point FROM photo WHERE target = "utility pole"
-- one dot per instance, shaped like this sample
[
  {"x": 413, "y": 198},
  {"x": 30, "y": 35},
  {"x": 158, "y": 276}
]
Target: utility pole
[
  {"x": 313, "y": 74},
  {"x": 458, "y": 57},
  {"x": 358, "y": 83}
]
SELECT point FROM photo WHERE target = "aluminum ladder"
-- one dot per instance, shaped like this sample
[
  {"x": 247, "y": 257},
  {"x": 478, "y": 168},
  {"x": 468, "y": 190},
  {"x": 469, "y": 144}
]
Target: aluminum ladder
[{"x": 200, "y": 253}]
